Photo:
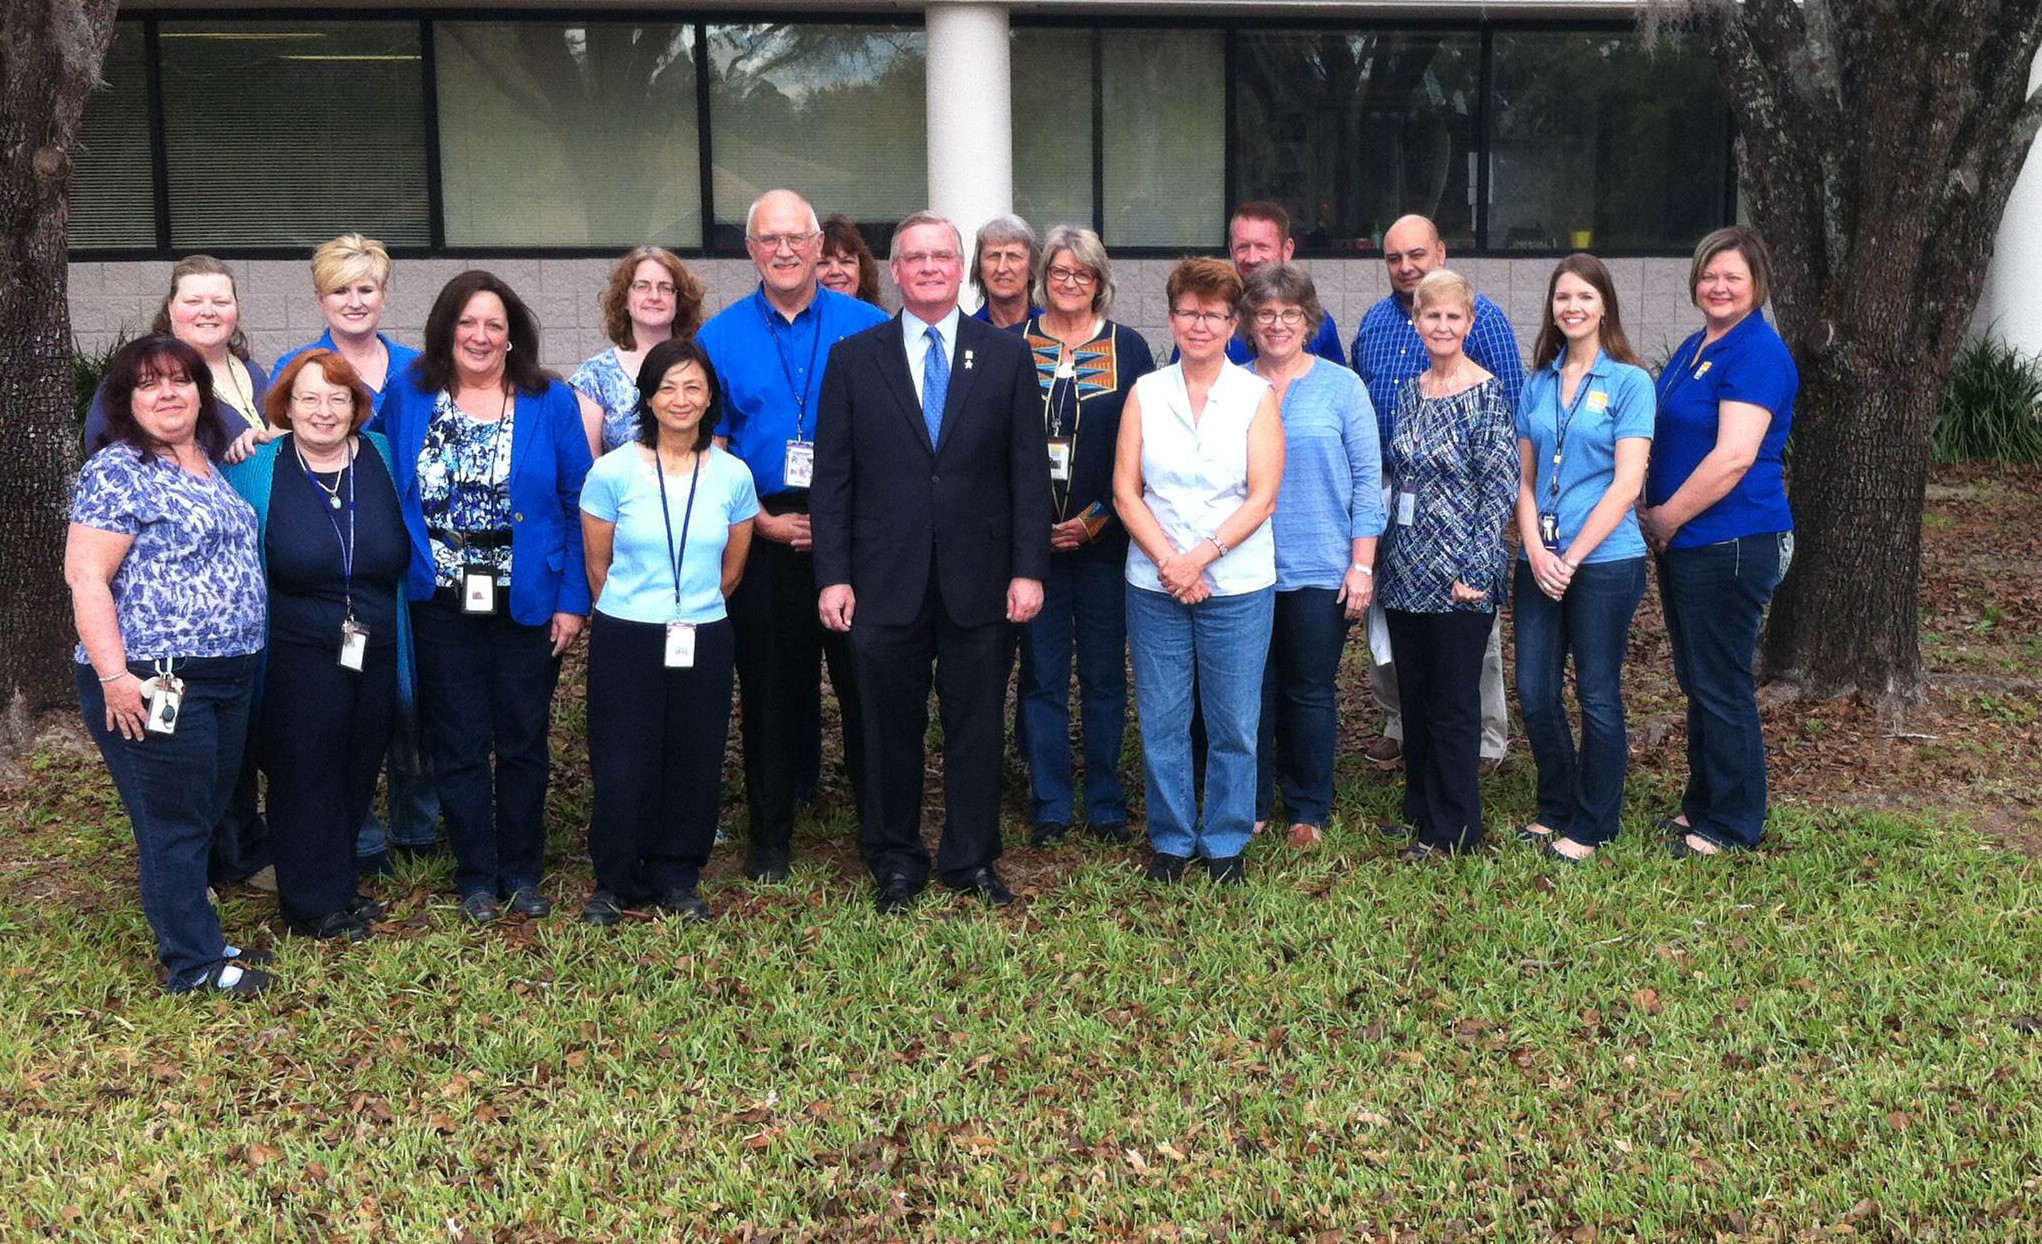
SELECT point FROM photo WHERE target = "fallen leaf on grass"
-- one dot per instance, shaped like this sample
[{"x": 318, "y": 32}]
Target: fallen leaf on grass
[{"x": 1647, "y": 1000}]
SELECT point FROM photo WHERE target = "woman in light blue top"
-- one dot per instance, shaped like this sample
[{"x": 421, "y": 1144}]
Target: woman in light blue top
[
  {"x": 1584, "y": 432},
  {"x": 1328, "y": 516},
  {"x": 651, "y": 297},
  {"x": 666, "y": 523}
]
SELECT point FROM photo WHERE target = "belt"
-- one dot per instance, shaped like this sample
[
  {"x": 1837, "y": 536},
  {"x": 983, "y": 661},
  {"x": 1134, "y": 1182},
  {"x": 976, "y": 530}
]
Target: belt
[{"x": 473, "y": 539}]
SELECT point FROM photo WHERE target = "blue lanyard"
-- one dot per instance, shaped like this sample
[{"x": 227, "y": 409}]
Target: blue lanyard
[
  {"x": 347, "y": 542},
  {"x": 1560, "y": 425},
  {"x": 799, "y": 391},
  {"x": 687, "y": 516}
]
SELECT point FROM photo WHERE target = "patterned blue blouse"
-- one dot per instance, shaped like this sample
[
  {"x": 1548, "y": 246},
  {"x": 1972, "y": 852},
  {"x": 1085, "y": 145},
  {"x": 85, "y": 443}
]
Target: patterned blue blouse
[
  {"x": 1460, "y": 455},
  {"x": 191, "y": 584},
  {"x": 464, "y": 487},
  {"x": 602, "y": 381}
]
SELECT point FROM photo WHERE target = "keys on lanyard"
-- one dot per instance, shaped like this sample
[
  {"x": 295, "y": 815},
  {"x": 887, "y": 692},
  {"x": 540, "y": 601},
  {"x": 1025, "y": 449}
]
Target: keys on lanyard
[{"x": 165, "y": 693}]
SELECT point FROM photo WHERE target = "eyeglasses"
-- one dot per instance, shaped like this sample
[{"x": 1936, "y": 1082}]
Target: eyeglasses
[
  {"x": 1289, "y": 319},
  {"x": 665, "y": 289},
  {"x": 344, "y": 402},
  {"x": 1072, "y": 276},
  {"x": 915, "y": 259},
  {"x": 774, "y": 241},
  {"x": 1211, "y": 319}
]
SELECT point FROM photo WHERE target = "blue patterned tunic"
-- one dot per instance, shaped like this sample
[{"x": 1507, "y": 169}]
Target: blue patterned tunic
[
  {"x": 602, "y": 380},
  {"x": 191, "y": 584},
  {"x": 1460, "y": 454},
  {"x": 464, "y": 486}
]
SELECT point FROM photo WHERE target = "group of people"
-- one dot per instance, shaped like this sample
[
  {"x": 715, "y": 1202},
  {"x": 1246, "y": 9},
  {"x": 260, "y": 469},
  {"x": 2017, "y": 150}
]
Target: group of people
[{"x": 375, "y": 558}]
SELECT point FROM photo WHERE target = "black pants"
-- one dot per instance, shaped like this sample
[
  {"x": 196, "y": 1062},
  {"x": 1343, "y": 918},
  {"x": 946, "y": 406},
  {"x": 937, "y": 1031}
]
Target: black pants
[
  {"x": 323, "y": 732},
  {"x": 971, "y": 665},
  {"x": 1439, "y": 679},
  {"x": 780, "y": 648},
  {"x": 486, "y": 685},
  {"x": 655, "y": 739}
]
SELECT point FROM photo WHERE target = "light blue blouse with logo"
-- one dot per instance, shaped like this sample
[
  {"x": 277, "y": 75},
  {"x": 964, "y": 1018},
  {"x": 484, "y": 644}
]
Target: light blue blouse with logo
[{"x": 1613, "y": 402}]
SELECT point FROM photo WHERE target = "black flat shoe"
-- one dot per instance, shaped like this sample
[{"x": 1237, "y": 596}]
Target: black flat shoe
[
  {"x": 1395, "y": 832},
  {"x": 985, "y": 883},
  {"x": 1228, "y": 871},
  {"x": 365, "y": 909},
  {"x": 1525, "y": 833},
  {"x": 1048, "y": 833},
  {"x": 601, "y": 909},
  {"x": 1672, "y": 828},
  {"x": 253, "y": 956},
  {"x": 683, "y": 905},
  {"x": 480, "y": 908},
  {"x": 1552, "y": 852},
  {"x": 234, "y": 980},
  {"x": 1680, "y": 849},
  {"x": 895, "y": 892},
  {"x": 1420, "y": 853},
  {"x": 334, "y": 924},
  {"x": 1114, "y": 832},
  {"x": 529, "y": 901},
  {"x": 1165, "y": 868}
]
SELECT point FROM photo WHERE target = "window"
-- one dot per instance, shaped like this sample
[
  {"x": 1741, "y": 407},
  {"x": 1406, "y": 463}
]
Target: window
[
  {"x": 1052, "y": 88},
  {"x": 1605, "y": 141},
  {"x": 113, "y": 186},
  {"x": 286, "y": 133},
  {"x": 1351, "y": 129},
  {"x": 1165, "y": 130},
  {"x": 837, "y": 113},
  {"x": 568, "y": 135}
]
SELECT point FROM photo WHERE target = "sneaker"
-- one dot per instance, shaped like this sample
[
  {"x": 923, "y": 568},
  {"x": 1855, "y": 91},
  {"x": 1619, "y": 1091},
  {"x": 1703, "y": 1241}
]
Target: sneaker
[
  {"x": 1165, "y": 868},
  {"x": 234, "y": 980},
  {"x": 684, "y": 905},
  {"x": 1384, "y": 753},
  {"x": 480, "y": 908},
  {"x": 528, "y": 901},
  {"x": 602, "y": 909}
]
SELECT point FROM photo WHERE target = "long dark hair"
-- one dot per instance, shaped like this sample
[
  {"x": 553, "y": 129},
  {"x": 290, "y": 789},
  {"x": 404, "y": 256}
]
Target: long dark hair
[
  {"x": 662, "y": 359},
  {"x": 1551, "y": 341},
  {"x": 145, "y": 359},
  {"x": 520, "y": 366},
  {"x": 840, "y": 233}
]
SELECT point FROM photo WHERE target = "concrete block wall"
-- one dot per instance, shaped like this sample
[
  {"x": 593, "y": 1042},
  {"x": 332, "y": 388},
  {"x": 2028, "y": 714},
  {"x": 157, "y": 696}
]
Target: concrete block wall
[{"x": 278, "y": 310}]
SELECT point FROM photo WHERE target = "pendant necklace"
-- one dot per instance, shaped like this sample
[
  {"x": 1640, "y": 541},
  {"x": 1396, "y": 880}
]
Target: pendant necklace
[{"x": 332, "y": 492}]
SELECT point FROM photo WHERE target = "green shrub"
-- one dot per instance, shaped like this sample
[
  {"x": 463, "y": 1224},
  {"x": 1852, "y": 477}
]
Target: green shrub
[
  {"x": 1992, "y": 406},
  {"x": 88, "y": 368}
]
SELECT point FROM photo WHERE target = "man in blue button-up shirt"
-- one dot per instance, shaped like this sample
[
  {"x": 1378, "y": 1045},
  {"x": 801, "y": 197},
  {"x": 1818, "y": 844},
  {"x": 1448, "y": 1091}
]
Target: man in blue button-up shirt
[
  {"x": 770, "y": 349},
  {"x": 1387, "y": 354}
]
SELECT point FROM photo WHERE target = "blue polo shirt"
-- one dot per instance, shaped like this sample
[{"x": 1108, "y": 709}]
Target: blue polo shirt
[
  {"x": 984, "y": 315},
  {"x": 1747, "y": 364},
  {"x": 401, "y": 357},
  {"x": 1388, "y": 351},
  {"x": 1614, "y": 402},
  {"x": 771, "y": 373}
]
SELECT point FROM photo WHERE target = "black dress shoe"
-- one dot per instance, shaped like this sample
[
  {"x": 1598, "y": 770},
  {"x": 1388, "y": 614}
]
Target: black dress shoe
[
  {"x": 985, "y": 883},
  {"x": 334, "y": 924},
  {"x": 602, "y": 909},
  {"x": 895, "y": 892},
  {"x": 683, "y": 904},
  {"x": 1048, "y": 833},
  {"x": 1110, "y": 831},
  {"x": 531, "y": 902},
  {"x": 480, "y": 908},
  {"x": 1227, "y": 871},
  {"x": 366, "y": 909},
  {"x": 1165, "y": 868},
  {"x": 767, "y": 869}
]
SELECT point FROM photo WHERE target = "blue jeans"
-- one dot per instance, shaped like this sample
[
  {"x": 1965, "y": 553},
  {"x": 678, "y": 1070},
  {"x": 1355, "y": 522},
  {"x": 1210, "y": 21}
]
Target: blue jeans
[
  {"x": 1224, "y": 642},
  {"x": 1581, "y": 793},
  {"x": 1715, "y": 598},
  {"x": 1082, "y": 607},
  {"x": 414, "y": 802},
  {"x": 175, "y": 789},
  {"x": 1296, "y": 745}
]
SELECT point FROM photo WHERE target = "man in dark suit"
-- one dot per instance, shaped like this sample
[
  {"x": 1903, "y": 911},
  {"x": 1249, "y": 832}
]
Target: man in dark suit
[{"x": 930, "y": 514}]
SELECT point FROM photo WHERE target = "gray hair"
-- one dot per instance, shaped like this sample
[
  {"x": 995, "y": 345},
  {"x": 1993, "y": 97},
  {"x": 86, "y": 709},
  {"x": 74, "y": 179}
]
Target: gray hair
[
  {"x": 814, "y": 225},
  {"x": 914, "y": 219},
  {"x": 1283, "y": 282},
  {"x": 1087, "y": 251},
  {"x": 997, "y": 232}
]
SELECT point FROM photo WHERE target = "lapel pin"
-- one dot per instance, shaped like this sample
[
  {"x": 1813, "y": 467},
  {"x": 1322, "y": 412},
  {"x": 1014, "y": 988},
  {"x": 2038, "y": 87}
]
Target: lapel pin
[{"x": 967, "y": 360}]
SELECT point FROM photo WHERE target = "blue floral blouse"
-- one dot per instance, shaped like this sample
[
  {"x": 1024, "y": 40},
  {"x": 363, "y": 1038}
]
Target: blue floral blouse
[
  {"x": 191, "y": 584},
  {"x": 1459, "y": 455},
  {"x": 602, "y": 381},
  {"x": 464, "y": 487}
]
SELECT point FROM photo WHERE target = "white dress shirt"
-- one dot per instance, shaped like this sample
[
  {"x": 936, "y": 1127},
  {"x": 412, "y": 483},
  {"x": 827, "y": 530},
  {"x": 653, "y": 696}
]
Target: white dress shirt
[{"x": 915, "y": 340}]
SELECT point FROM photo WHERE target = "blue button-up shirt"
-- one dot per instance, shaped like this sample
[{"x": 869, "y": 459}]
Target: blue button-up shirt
[
  {"x": 1388, "y": 352},
  {"x": 771, "y": 371},
  {"x": 401, "y": 357}
]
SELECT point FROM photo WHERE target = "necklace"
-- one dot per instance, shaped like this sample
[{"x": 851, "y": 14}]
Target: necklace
[{"x": 332, "y": 491}]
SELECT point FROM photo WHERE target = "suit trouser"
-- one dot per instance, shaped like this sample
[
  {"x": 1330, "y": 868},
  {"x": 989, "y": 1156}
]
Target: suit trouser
[
  {"x": 1382, "y": 679},
  {"x": 893, "y": 668},
  {"x": 781, "y": 644}
]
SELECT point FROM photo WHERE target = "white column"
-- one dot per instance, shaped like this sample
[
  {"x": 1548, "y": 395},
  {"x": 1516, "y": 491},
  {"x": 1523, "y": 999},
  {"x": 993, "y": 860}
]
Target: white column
[
  {"x": 971, "y": 115},
  {"x": 2011, "y": 304}
]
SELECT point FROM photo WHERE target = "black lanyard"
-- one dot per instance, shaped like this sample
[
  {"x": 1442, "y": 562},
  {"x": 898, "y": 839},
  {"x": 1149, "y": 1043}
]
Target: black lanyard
[
  {"x": 347, "y": 542},
  {"x": 799, "y": 391},
  {"x": 687, "y": 516}
]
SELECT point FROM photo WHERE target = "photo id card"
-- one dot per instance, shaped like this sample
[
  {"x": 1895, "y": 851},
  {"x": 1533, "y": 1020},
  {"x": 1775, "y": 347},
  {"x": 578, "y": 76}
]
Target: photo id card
[
  {"x": 1060, "y": 459},
  {"x": 166, "y": 696},
  {"x": 1407, "y": 505},
  {"x": 478, "y": 590},
  {"x": 799, "y": 467},
  {"x": 1549, "y": 532},
  {"x": 680, "y": 645},
  {"x": 354, "y": 645}
]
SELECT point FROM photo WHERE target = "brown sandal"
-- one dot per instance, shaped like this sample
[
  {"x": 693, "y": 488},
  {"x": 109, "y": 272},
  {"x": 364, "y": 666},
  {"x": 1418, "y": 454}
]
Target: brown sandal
[{"x": 1303, "y": 835}]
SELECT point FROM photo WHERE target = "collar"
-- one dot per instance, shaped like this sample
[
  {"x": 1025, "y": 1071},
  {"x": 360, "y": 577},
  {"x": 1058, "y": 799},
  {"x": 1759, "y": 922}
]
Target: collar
[
  {"x": 771, "y": 314},
  {"x": 914, "y": 327},
  {"x": 1600, "y": 367}
]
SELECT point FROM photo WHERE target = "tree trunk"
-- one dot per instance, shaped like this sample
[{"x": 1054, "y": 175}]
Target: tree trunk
[
  {"x": 1878, "y": 142},
  {"x": 50, "y": 55}
]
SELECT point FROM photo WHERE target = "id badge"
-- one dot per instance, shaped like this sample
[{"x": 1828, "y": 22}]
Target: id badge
[
  {"x": 1407, "y": 505},
  {"x": 1549, "y": 532},
  {"x": 799, "y": 467},
  {"x": 478, "y": 590},
  {"x": 1060, "y": 459},
  {"x": 680, "y": 645},
  {"x": 354, "y": 645},
  {"x": 166, "y": 697}
]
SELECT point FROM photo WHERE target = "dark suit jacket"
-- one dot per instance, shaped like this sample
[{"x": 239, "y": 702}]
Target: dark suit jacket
[{"x": 884, "y": 498}]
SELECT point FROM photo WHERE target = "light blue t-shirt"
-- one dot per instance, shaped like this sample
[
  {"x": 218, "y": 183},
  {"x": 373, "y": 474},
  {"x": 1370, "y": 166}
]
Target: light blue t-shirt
[
  {"x": 1613, "y": 402},
  {"x": 623, "y": 487}
]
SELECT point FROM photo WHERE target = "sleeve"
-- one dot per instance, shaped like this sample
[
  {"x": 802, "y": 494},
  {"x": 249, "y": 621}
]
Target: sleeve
[
  {"x": 744, "y": 492},
  {"x": 1520, "y": 410},
  {"x": 1326, "y": 344},
  {"x": 1140, "y": 359},
  {"x": 583, "y": 381},
  {"x": 1493, "y": 473},
  {"x": 711, "y": 338},
  {"x": 1493, "y": 345},
  {"x": 1763, "y": 377},
  {"x": 108, "y": 496},
  {"x": 572, "y": 462},
  {"x": 1365, "y": 515},
  {"x": 1637, "y": 405},
  {"x": 1028, "y": 474},
  {"x": 599, "y": 492},
  {"x": 829, "y": 493},
  {"x": 96, "y": 437}
]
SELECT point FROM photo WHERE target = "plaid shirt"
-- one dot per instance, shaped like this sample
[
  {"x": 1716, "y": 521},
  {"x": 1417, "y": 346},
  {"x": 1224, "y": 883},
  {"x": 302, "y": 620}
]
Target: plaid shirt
[
  {"x": 1459, "y": 454},
  {"x": 1388, "y": 352}
]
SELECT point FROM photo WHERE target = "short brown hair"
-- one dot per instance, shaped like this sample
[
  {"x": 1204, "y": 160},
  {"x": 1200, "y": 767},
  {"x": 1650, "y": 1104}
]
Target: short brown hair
[
  {"x": 276, "y": 404},
  {"x": 203, "y": 265},
  {"x": 1263, "y": 209},
  {"x": 1204, "y": 278},
  {"x": 615, "y": 300},
  {"x": 1747, "y": 242},
  {"x": 1284, "y": 282}
]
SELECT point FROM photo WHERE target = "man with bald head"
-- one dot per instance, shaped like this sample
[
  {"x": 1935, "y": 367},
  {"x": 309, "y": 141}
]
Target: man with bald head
[
  {"x": 770, "y": 349},
  {"x": 1387, "y": 354}
]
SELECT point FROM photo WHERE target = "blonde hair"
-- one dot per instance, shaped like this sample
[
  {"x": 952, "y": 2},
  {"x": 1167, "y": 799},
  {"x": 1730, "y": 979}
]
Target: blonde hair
[
  {"x": 1444, "y": 285},
  {"x": 347, "y": 259}
]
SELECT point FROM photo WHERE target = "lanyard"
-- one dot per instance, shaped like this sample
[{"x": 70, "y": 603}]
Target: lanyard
[
  {"x": 347, "y": 542},
  {"x": 800, "y": 391},
  {"x": 1560, "y": 426},
  {"x": 687, "y": 516}
]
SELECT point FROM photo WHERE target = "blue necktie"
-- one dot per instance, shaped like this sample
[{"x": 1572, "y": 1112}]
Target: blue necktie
[{"x": 935, "y": 383}]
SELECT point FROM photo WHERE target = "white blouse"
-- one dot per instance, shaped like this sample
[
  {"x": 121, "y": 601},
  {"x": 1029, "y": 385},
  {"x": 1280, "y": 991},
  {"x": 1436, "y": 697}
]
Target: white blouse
[{"x": 1195, "y": 474}]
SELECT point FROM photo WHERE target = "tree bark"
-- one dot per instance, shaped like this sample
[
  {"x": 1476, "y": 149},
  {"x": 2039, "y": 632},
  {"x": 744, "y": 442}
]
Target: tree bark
[
  {"x": 50, "y": 56},
  {"x": 1878, "y": 141}
]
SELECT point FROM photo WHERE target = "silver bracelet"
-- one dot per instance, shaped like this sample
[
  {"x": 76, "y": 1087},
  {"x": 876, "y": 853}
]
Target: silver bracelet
[{"x": 113, "y": 678}]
